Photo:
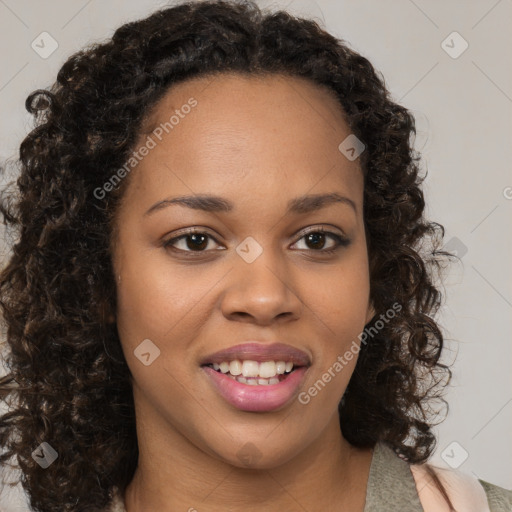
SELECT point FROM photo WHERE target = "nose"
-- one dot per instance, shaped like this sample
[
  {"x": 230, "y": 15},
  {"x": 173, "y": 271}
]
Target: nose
[{"x": 262, "y": 291}]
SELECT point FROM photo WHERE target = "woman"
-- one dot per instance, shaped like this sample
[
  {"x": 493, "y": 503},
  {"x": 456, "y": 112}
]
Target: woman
[{"x": 218, "y": 299}]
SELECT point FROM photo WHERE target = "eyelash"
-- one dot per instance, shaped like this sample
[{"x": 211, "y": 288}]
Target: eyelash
[{"x": 340, "y": 241}]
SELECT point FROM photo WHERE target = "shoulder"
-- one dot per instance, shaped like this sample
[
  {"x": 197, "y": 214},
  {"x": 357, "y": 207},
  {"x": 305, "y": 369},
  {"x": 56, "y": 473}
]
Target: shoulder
[
  {"x": 500, "y": 499},
  {"x": 466, "y": 492}
]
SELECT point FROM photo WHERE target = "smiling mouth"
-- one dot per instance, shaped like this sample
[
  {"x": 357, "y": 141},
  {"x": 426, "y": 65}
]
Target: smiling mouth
[{"x": 253, "y": 373}]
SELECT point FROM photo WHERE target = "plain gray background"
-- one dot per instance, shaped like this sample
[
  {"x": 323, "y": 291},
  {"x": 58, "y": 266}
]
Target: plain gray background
[{"x": 462, "y": 103}]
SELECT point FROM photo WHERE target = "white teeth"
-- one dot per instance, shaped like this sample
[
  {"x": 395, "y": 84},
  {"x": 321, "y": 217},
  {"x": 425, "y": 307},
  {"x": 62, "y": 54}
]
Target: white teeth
[
  {"x": 253, "y": 381},
  {"x": 267, "y": 369},
  {"x": 280, "y": 367},
  {"x": 250, "y": 369},
  {"x": 235, "y": 367}
]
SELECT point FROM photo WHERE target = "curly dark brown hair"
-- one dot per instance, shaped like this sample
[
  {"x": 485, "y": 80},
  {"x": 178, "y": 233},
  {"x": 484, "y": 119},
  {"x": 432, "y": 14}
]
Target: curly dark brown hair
[{"x": 68, "y": 382}]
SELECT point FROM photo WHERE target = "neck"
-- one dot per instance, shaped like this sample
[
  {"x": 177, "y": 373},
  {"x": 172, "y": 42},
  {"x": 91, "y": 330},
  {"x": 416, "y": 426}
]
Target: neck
[{"x": 174, "y": 474}]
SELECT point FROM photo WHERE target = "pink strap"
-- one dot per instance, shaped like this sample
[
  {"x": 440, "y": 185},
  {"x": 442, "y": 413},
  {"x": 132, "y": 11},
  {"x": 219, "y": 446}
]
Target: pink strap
[{"x": 465, "y": 491}]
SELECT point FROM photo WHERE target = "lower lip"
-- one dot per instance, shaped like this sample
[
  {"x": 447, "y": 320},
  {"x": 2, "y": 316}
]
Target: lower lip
[{"x": 259, "y": 398}]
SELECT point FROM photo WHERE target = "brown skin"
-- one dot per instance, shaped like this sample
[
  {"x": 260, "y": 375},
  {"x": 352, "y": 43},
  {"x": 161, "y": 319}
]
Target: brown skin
[{"x": 258, "y": 142}]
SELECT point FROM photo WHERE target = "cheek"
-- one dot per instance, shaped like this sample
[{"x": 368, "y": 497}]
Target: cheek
[
  {"x": 151, "y": 307},
  {"x": 143, "y": 305},
  {"x": 341, "y": 300},
  {"x": 150, "y": 296},
  {"x": 342, "y": 295},
  {"x": 165, "y": 305}
]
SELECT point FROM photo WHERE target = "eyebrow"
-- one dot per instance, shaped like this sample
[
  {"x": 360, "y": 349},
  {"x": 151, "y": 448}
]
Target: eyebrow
[{"x": 208, "y": 203}]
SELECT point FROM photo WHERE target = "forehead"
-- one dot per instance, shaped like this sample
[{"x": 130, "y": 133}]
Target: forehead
[
  {"x": 233, "y": 91},
  {"x": 265, "y": 132}
]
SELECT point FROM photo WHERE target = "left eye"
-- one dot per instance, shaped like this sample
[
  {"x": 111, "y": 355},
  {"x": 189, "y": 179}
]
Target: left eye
[
  {"x": 197, "y": 241},
  {"x": 318, "y": 237}
]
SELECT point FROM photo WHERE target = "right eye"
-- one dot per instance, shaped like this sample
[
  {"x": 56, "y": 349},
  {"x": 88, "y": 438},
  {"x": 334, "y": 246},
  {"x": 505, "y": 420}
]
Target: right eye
[{"x": 195, "y": 241}]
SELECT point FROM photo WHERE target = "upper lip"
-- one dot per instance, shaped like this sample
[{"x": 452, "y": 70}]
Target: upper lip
[{"x": 256, "y": 351}]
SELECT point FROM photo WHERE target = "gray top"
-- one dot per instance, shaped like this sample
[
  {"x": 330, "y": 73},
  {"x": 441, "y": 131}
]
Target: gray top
[{"x": 391, "y": 487}]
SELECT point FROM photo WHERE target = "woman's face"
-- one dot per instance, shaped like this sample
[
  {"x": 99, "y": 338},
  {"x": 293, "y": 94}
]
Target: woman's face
[{"x": 252, "y": 274}]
